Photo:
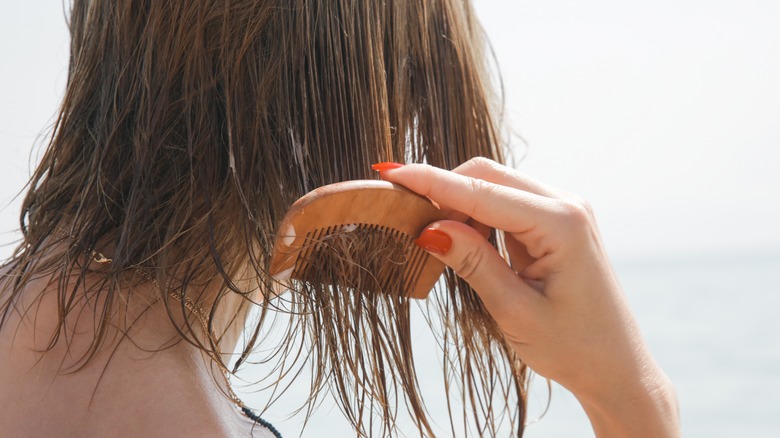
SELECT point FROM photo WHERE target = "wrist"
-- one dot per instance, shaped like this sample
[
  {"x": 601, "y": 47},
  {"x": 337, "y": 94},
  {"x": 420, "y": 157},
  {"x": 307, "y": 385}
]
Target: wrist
[{"x": 647, "y": 409}]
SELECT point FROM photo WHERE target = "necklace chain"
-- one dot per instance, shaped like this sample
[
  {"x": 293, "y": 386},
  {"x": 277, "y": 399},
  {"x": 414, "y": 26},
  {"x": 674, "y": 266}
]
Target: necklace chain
[{"x": 190, "y": 305}]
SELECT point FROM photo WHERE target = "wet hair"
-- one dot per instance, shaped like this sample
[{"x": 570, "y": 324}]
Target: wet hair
[{"x": 188, "y": 129}]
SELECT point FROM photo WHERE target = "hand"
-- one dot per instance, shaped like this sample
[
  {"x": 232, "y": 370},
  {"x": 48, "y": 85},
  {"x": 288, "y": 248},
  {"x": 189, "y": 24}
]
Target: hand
[{"x": 556, "y": 299}]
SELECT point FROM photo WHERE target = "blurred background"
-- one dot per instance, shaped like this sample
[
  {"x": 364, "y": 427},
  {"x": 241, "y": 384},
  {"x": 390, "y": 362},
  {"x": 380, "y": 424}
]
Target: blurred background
[{"x": 664, "y": 114}]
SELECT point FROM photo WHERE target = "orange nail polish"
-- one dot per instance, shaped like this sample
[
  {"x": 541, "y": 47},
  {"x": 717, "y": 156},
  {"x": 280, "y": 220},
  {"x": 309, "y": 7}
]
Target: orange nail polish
[
  {"x": 386, "y": 165},
  {"x": 434, "y": 240}
]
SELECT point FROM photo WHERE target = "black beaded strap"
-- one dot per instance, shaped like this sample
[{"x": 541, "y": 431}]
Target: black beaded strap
[{"x": 256, "y": 418}]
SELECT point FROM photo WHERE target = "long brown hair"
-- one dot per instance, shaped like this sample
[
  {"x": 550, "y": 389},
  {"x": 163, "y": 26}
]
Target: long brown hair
[{"x": 189, "y": 128}]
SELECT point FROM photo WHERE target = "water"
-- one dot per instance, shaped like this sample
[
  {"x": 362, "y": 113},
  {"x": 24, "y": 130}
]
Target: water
[{"x": 711, "y": 321}]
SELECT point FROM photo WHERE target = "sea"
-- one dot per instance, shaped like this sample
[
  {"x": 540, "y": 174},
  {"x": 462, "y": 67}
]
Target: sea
[{"x": 712, "y": 321}]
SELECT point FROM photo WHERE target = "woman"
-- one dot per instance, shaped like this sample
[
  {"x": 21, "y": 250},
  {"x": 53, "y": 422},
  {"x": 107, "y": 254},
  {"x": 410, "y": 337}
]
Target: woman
[{"x": 186, "y": 132}]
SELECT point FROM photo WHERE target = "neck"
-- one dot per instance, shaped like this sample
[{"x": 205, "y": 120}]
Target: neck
[{"x": 142, "y": 383}]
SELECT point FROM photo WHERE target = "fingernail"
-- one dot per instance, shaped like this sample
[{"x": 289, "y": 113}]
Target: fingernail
[
  {"x": 434, "y": 240},
  {"x": 386, "y": 165}
]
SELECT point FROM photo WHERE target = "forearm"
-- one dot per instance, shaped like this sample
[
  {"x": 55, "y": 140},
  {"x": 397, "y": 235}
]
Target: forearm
[{"x": 649, "y": 411}]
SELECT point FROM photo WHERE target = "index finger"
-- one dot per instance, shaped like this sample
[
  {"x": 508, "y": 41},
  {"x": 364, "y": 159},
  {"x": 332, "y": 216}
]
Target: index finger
[{"x": 497, "y": 206}]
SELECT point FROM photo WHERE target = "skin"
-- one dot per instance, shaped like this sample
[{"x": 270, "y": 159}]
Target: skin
[
  {"x": 557, "y": 299},
  {"x": 172, "y": 390}
]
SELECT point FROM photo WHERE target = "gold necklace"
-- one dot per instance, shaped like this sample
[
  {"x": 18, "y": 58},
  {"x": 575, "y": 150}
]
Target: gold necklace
[{"x": 190, "y": 305}]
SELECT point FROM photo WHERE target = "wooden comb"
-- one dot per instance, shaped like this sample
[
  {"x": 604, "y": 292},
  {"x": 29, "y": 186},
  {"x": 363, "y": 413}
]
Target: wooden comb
[{"x": 354, "y": 220}]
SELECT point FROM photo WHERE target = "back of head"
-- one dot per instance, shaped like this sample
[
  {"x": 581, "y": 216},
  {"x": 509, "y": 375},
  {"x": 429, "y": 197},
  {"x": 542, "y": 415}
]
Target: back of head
[{"x": 189, "y": 128}]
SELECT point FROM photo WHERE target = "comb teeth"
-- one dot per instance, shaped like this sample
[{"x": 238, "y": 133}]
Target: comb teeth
[
  {"x": 358, "y": 234},
  {"x": 376, "y": 254}
]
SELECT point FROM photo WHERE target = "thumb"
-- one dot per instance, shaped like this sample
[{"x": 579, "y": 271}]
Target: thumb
[{"x": 506, "y": 296}]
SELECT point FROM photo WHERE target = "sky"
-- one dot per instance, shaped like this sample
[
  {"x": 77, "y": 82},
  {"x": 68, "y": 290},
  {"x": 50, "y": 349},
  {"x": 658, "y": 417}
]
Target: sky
[{"x": 665, "y": 115}]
